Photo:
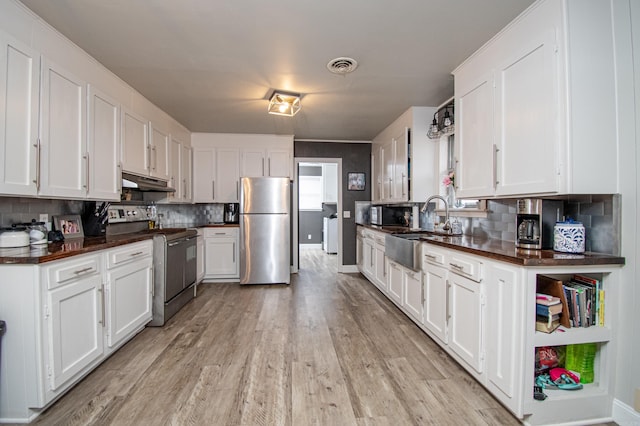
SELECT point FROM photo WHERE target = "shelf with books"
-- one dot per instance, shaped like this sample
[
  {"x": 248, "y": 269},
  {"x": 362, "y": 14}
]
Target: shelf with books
[{"x": 567, "y": 336}]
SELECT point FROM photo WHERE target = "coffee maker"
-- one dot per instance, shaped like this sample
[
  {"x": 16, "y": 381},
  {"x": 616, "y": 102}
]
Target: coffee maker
[
  {"x": 231, "y": 213},
  {"x": 535, "y": 219}
]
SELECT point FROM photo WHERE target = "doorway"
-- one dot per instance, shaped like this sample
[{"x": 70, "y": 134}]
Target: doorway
[{"x": 317, "y": 203}]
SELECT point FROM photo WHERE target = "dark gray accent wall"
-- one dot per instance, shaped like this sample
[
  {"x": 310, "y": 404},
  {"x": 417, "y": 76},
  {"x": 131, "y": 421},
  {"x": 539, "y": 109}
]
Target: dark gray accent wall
[
  {"x": 310, "y": 224},
  {"x": 356, "y": 157}
]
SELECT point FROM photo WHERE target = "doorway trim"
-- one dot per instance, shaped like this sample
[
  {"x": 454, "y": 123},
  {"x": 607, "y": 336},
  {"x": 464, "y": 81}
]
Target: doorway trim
[{"x": 295, "y": 234}]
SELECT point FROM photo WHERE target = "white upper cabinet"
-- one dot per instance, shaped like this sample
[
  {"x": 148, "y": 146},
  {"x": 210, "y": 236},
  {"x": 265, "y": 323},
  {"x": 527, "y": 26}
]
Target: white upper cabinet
[
  {"x": 526, "y": 120},
  {"x": 279, "y": 162},
  {"x": 204, "y": 167},
  {"x": 103, "y": 146},
  {"x": 186, "y": 171},
  {"x": 330, "y": 183},
  {"x": 19, "y": 90},
  {"x": 63, "y": 159},
  {"x": 135, "y": 134},
  {"x": 404, "y": 163},
  {"x": 227, "y": 184},
  {"x": 175, "y": 164},
  {"x": 257, "y": 162},
  {"x": 253, "y": 163},
  {"x": 159, "y": 152}
]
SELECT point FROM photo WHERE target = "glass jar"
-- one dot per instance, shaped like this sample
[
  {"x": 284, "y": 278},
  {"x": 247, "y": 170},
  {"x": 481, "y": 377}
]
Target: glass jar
[{"x": 37, "y": 232}]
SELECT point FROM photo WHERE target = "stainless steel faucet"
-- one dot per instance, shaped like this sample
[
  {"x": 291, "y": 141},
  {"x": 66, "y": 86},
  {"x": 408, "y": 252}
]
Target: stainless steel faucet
[{"x": 447, "y": 224}]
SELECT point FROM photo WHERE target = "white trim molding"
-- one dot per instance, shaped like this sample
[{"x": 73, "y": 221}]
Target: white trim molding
[{"x": 624, "y": 415}]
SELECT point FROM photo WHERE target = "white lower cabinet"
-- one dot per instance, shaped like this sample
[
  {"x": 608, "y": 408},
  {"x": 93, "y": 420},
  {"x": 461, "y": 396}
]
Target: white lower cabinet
[
  {"x": 200, "y": 255},
  {"x": 465, "y": 321},
  {"x": 412, "y": 293},
  {"x": 221, "y": 254},
  {"x": 128, "y": 294},
  {"x": 504, "y": 334},
  {"x": 396, "y": 287},
  {"x": 64, "y": 318},
  {"x": 436, "y": 289},
  {"x": 73, "y": 319}
]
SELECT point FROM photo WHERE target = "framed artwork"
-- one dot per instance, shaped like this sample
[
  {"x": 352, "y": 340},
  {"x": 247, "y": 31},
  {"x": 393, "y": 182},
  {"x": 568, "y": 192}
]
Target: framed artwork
[
  {"x": 356, "y": 181},
  {"x": 69, "y": 225}
]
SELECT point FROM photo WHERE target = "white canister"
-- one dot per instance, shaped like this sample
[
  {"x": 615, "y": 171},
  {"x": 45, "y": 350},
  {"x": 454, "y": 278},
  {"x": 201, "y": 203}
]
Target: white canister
[{"x": 568, "y": 237}]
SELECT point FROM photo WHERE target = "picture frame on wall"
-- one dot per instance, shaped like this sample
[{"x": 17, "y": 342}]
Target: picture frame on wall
[
  {"x": 70, "y": 226},
  {"x": 356, "y": 181}
]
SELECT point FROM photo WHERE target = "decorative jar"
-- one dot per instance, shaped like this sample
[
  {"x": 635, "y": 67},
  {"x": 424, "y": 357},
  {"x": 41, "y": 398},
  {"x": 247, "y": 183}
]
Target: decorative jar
[{"x": 569, "y": 237}]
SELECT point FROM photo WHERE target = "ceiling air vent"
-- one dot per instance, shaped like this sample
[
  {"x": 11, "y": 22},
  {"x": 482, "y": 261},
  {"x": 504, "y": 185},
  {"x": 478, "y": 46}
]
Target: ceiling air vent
[{"x": 342, "y": 65}]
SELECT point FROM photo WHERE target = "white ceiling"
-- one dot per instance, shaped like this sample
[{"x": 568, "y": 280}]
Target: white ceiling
[{"x": 211, "y": 63}]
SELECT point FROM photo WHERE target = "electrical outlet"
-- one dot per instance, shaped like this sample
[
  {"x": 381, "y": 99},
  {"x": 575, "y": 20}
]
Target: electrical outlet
[
  {"x": 44, "y": 218},
  {"x": 308, "y": 236},
  {"x": 636, "y": 402}
]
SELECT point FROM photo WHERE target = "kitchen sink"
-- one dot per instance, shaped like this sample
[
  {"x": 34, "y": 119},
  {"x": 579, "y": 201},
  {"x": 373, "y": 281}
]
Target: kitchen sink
[{"x": 404, "y": 249}]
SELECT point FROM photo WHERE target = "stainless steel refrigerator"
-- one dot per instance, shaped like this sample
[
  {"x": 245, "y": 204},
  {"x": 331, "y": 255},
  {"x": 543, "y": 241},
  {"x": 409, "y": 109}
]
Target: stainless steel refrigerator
[{"x": 265, "y": 230}]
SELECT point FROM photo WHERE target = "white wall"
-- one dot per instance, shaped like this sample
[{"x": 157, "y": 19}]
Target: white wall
[{"x": 627, "y": 25}]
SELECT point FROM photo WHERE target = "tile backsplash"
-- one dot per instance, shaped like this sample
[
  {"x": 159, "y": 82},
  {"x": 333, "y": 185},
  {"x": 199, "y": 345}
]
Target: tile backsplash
[{"x": 600, "y": 214}]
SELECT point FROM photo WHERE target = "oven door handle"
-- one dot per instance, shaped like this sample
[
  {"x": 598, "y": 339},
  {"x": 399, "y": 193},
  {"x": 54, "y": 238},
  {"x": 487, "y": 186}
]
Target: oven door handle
[{"x": 175, "y": 243}]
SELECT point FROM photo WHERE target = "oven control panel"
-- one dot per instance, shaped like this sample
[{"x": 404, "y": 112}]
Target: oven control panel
[{"x": 119, "y": 214}]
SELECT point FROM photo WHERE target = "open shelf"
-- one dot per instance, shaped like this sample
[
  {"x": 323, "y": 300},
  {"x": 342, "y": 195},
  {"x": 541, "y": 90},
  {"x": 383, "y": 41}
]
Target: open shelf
[{"x": 575, "y": 335}]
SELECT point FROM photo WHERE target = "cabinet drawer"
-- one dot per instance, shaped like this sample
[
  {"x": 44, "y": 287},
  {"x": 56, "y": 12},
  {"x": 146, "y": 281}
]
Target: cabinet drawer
[
  {"x": 466, "y": 266},
  {"x": 129, "y": 253},
  {"x": 434, "y": 256},
  {"x": 69, "y": 270},
  {"x": 220, "y": 232},
  {"x": 379, "y": 239}
]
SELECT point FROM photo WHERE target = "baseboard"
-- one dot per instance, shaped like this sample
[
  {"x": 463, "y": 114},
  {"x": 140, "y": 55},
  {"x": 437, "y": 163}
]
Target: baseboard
[
  {"x": 310, "y": 246},
  {"x": 624, "y": 415},
  {"x": 348, "y": 269}
]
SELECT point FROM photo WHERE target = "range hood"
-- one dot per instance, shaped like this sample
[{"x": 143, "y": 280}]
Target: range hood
[{"x": 140, "y": 183}]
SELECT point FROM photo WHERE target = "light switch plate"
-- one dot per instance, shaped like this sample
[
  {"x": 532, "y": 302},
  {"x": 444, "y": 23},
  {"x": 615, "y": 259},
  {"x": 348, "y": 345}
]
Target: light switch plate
[{"x": 346, "y": 214}]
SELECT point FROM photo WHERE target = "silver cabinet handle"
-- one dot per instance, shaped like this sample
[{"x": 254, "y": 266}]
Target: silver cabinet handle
[
  {"x": 403, "y": 177},
  {"x": 138, "y": 253},
  {"x": 269, "y": 162},
  {"x": 148, "y": 162},
  {"x": 155, "y": 158},
  {"x": 83, "y": 270},
  {"x": 234, "y": 253},
  {"x": 456, "y": 266},
  {"x": 119, "y": 177},
  {"x": 184, "y": 192},
  {"x": 495, "y": 166},
  {"x": 237, "y": 190},
  {"x": 213, "y": 187},
  {"x": 86, "y": 159},
  {"x": 448, "y": 313},
  {"x": 262, "y": 166},
  {"x": 101, "y": 291},
  {"x": 37, "y": 146},
  {"x": 430, "y": 256}
]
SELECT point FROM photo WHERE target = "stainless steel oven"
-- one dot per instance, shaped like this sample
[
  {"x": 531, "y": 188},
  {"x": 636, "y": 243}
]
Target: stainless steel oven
[{"x": 175, "y": 270}]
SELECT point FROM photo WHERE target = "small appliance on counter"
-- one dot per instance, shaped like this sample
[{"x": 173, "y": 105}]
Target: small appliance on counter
[
  {"x": 535, "y": 219},
  {"x": 94, "y": 218},
  {"x": 16, "y": 236},
  {"x": 231, "y": 213}
]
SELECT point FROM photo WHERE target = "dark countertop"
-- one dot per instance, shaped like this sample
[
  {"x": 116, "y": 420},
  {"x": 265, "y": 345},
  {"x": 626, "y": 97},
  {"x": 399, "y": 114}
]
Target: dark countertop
[
  {"x": 505, "y": 251},
  {"x": 33, "y": 255},
  {"x": 67, "y": 248}
]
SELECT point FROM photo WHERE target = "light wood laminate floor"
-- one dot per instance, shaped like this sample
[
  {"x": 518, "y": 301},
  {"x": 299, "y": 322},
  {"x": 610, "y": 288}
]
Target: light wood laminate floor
[{"x": 329, "y": 349}]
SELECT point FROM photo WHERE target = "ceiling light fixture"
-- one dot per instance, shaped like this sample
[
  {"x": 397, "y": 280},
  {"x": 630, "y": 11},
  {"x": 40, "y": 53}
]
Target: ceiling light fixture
[
  {"x": 282, "y": 103},
  {"x": 442, "y": 123}
]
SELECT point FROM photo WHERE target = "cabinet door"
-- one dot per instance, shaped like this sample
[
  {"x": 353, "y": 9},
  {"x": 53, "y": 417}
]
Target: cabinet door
[
  {"x": 359, "y": 252},
  {"x": 400, "y": 169},
  {"x": 63, "y": 160},
  {"x": 395, "y": 282},
  {"x": 159, "y": 157},
  {"x": 200, "y": 257},
  {"x": 412, "y": 301},
  {"x": 128, "y": 299},
  {"x": 19, "y": 91},
  {"x": 204, "y": 166},
  {"x": 376, "y": 167},
  {"x": 175, "y": 164},
  {"x": 221, "y": 258},
  {"x": 227, "y": 176},
  {"x": 527, "y": 119},
  {"x": 436, "y": 304},
  {"x": 381, "y": 267},
  {"x": 465, "y": 323},
  {"x": 505, "y": 335},
  {"x": 475, "y": 149},
  {"x": 134, "y": 149},
  {"x": 368, "y": 259},
  {"x": 103, "y": 147},
  {"x": 186, "y": 174},
  {"x": 330, "y": 183},
  {"x": 279, "y": 163},
  {"x": 388, "y": 164},
  {"x": 253, "y": 163},
  {"x": 74, "y": 328}
]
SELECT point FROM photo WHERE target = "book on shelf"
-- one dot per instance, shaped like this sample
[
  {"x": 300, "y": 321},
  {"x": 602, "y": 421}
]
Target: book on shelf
[
  {"x": 546, "y": 326},
  {"x": 554, "y": 287},
  {"x": 546, "y": 299},
  {"x": 546, "y": 311},
  {"x": 595, "y": 286}
]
